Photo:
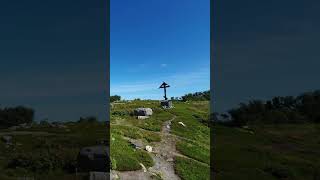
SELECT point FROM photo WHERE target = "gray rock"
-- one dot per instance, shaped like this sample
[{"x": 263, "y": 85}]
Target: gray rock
[
  {"x": 7, "y": 139},
  {"x": 94, "y": 158},
  {"x": 143, "y": 112}
]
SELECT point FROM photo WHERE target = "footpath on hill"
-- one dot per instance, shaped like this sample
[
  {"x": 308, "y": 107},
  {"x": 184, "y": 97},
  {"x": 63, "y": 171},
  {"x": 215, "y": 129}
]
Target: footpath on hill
[
  {"x": 163, "y": 156},
  {"x": 177, "y": 137}
]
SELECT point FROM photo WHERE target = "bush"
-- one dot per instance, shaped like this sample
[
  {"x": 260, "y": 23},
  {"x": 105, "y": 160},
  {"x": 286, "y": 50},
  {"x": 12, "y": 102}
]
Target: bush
[
  {"x": 46, "y": 158},
  {"x": 15, "y": 116},
  {"x": 115, "y": 98},
  {"x": 288, "y": 109}
]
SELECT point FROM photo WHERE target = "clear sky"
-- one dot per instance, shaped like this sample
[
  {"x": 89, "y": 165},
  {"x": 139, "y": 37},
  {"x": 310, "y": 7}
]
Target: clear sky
[
  {"x": 53, "y": 57},
  {"x": 154, "y": 41},
  {"x": 264, "y": 49}
]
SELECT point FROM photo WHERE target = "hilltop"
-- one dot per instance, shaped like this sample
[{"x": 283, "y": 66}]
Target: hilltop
[{"x": 178, "y": 151}]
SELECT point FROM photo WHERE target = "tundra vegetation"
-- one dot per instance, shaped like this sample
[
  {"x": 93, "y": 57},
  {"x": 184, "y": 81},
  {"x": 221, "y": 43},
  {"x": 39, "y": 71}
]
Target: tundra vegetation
[
  {"x": 44, "y": 150},
  {"x": 192, "y": 141},
  {"x": 274, "y": 139}
]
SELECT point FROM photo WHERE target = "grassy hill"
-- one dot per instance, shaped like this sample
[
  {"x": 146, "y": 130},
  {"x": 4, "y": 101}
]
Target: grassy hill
[
  {"x": 286, "y": 151},
  {"x": 189, "y": 144},
  {"x": 46, "y": 152}
]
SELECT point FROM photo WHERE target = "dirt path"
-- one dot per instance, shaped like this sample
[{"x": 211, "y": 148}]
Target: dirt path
[
  {"x": 163, "y": 155},
  {"x": 165, "y": 152}
]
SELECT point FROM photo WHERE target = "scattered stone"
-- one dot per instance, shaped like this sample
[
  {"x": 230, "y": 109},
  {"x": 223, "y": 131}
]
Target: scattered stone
[
  {"x": 143, "y": 117},
  {"x": 170, "y": 159},
  {"x": 182, "y": 124},
  {"x": 149, "y": 148},
  {"x": 168, "y": 126},
  {"x": 143, "y": 112},
  {"x": 143, "y": 167}
]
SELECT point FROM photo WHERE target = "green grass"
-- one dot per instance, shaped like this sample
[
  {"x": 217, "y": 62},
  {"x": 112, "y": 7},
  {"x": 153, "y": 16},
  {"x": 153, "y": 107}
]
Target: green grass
[
  {"x": 194, "y": 141},
  {"x": 56, "y": 149},
  {"x": 271, "y": 152},
  {"x": 135, "y": 133},
  {"x": 121, "y": 113},
  {"x": 194, "y": 151},
  {"x": 194, "y": 130},
  {"x": 154, "y": 123},
  {"x": 125, "y": 157},
  {"x": 189, "y": 169}
]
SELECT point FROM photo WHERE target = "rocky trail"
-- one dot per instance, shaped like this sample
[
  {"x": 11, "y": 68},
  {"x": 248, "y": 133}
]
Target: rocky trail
[{"x": 163, "y": 154}]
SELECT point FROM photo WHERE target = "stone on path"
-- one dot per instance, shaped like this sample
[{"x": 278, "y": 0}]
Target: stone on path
[{"x": 149, "y": 148}]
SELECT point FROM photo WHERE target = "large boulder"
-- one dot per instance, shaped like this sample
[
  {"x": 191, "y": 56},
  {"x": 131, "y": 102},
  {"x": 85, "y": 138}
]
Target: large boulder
[
  {"x": 143, "y": 112},
  {"x": 94, "y": 158}
]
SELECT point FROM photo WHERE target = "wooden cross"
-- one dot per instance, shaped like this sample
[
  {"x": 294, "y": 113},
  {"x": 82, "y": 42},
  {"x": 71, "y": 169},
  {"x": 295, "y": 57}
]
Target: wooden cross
[{"x": 164, "y": 86}]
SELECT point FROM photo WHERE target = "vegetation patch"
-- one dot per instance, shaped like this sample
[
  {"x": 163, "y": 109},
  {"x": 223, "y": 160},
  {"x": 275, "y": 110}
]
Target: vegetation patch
[
  {"x": 194, "y": 151},
  {"x": 189, "y": 169},
  {"x": 125, "y": 158}
]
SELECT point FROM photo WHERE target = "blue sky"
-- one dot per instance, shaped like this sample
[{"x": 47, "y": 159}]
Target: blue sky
[
  {"x": 154, "y": 41},
  {"x": 53, "y": 57},
  {"x": 264, "y": 49}
]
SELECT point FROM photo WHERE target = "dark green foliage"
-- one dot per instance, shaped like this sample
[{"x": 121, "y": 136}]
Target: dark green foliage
[
  {"x": 197, "y": 96},
  {"x": 90, "y": 119},
  {"x": 115, "y": 98},
  {"x": 288, "y": 109},
  {"x": 120, "y": 113},
  {"x": 289, "y": 151},
  {"x": 189, "y": 169},
  {"x": 49, "y": 152},
  {"x": 15, "y": 116},
  {"x": 47, "y": 158},
  {"x": 279, "y": 172}
]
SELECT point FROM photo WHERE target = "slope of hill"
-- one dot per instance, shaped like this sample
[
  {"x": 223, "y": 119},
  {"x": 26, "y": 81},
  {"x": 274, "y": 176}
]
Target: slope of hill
[
  {"x": 286, "y": 151},
  {"x": 180, "y": 138}
]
